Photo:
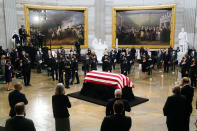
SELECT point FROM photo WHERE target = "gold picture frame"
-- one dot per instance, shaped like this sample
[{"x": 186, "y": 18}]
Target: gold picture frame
[
  {"x": 160, "y": 7},
  {"x": 27, "y": 7}
]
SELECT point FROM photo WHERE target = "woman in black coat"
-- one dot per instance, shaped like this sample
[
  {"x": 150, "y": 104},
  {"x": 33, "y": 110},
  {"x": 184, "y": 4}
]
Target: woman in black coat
[
  {"x": 185, "y": 66},
  {"x": 60, "y": 103},
  {"x": 193, "y": 72},
  {"x": 8, "y": 74}
]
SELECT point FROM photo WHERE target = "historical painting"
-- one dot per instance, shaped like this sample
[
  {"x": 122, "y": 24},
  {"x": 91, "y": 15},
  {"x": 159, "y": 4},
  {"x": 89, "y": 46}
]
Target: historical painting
[
  {"x": 56, "y": 26},
  {"x": 151, "y": 27}
]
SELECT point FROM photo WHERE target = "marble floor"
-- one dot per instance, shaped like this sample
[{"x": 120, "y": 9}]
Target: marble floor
[{"x": 85, "y": 116}]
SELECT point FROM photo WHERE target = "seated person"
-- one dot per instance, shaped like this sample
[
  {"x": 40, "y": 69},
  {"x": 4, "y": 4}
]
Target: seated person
[
  {"x": 118, "y": 121},
  {"x": 19, "y": 122},
  {"x": 118, "y": 95}
]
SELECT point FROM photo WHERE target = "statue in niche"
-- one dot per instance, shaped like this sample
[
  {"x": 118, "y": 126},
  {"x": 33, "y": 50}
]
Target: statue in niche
[{"x": 183, "y": 41}]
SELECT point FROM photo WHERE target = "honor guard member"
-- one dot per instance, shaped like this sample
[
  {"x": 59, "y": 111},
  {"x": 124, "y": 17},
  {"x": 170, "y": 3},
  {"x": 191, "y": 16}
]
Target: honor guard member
[
  {"x": 54, "y": 67},
  {"x": 61, "y": 68},
  {"x": 67, "y": 69},
  {"x": 113, "y": 54},
  {"x": 86, "y": 63},
  {"x": 93, "y": 61},
  {"x": 26, "y": 65},
  {"x": 74, "y": 69}
]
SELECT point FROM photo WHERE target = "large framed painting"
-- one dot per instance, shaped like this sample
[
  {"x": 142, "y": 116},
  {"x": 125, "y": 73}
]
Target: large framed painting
[
  {"x": 145, "y": 26},
  {"x": 57, "y": 26}
]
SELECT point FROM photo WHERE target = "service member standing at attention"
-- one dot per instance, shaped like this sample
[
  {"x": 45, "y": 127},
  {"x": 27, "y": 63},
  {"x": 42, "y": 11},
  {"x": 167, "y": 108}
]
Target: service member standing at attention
[
  {"x": 67, "y": 69},
  {"x": 74, "y": 68},
  {"x": 188, "y": 92},
  {"x": 15, "y": 97},
  {"x": 60, "y": 103}
]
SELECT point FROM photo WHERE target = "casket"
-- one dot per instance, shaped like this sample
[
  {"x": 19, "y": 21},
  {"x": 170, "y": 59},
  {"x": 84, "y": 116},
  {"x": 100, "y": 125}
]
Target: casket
[{"x": 101, "y": 85}]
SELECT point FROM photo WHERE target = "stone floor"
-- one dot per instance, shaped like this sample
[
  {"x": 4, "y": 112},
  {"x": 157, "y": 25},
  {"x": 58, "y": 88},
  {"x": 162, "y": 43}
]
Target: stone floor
[{"x": 85, "y": 116}]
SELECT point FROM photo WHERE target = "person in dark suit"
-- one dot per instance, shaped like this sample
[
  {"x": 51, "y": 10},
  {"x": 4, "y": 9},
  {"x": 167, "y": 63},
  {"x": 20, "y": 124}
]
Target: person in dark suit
[
  {"x": 118, "y": 121},
  {"x": 54, "y": 67},
  {"x": 60, "y": 103},
  {"x": 118, "y": 95},
  {"x": 26, "y": 66},
  {"x": 39, "y": 61},
  {"x": 19, "y": 122},
  {"x": 174, "y": 110},
  {"x": 185, "y": 66},
  {"x": 23, "y": 35},
  {"x": 193, "y": 72},
  {"x": 166, "y": 59},
  {"x": 188, "y": 92},
  {"x": 15, "y": 97},
  {"x": 8, "y": 74}
]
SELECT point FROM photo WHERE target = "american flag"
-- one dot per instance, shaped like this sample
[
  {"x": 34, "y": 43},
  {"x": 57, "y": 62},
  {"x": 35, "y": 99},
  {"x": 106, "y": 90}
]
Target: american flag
[{"x": 109, "y": 79}]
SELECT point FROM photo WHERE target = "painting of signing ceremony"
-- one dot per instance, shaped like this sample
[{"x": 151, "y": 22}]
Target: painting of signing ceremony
[
  {"x": 56, "y": 27},
  {"x": 143, "y": 27}
]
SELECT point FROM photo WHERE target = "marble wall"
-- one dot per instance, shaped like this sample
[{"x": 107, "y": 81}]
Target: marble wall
[
  {"x": 2, "y": 25},
  {"x": 100, "y": 15}
]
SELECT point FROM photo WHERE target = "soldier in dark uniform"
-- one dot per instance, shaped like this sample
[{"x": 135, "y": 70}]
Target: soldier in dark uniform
[
  {"x": 54, "y": 67},
  {"x": 67, "y": 68},
  {"x": 78, "y": 49},
  {"x": 74, "y": 69},
  {"x": 193, "y": 72},
  {"x": 93, "y": 61},
  {"x": 26, "y": 65},
  {"x": 86, "y": 63},
  {"x": 61, "y": 68}
]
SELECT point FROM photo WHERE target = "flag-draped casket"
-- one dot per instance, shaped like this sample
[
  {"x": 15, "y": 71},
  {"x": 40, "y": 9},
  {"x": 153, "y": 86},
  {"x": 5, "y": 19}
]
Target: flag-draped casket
[{"x": 101, "y": 85}]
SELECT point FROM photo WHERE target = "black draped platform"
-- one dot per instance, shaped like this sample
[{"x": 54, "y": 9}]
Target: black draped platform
[{"x": 100, "y": 94}]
